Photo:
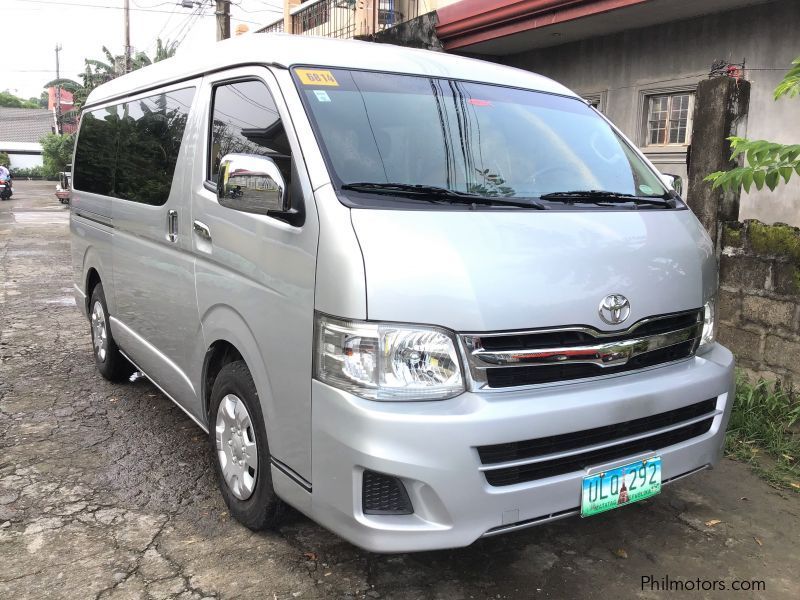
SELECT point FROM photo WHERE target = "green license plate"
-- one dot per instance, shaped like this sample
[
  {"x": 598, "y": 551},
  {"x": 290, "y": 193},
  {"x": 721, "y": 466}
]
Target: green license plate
[{"x": 618, "y": 487}]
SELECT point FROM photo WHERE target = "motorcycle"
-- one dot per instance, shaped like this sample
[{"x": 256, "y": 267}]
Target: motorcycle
[{"x": 5, "y": 188}]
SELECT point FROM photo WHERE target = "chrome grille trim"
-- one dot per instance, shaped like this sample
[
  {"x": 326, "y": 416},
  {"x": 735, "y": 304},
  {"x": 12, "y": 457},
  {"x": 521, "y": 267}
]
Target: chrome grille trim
[{"x": 614, "y": 353}]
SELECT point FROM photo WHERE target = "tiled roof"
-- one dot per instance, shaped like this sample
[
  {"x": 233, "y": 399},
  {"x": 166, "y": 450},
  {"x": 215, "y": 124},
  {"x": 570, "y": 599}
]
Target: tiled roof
[{"x": 24, "y": 124}]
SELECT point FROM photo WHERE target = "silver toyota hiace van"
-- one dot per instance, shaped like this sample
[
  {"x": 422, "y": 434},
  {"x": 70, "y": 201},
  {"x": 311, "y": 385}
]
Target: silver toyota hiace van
[{"x": 421, "y": 298}]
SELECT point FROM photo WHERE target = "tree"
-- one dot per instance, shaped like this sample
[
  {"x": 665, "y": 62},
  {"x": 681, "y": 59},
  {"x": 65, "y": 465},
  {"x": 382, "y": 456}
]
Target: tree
[
  {"x": 13, "y": 101},
  {"x": 97, "y": 72},
  {"x": 164, "y": 50},
  {"x": 56, "y": 152},
  {"x": 765, "y": 163},
  {"x": 4, "y": 159}
]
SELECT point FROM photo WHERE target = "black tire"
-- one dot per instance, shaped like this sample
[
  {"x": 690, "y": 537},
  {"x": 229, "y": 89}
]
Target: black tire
[
  {"x": 111, "y": 364},
  {"x": 259, "y": 510}
]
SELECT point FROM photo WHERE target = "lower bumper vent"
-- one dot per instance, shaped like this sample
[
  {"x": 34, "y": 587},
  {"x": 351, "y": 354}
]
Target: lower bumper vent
[
  {"x": 529, "y": 460},
  {"x": 384, "y": 495}
]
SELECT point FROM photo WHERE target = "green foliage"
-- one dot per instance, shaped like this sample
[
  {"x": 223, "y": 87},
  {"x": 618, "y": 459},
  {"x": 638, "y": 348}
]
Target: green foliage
[
  {"x": 4, "y": 159},
  {"x": 764, "y": 163},
  {"x": 56, "y": 153},
  {"x": 13, "y": 101},
  {"x": 164, "y": 50},
  {"x": 493, "y": 185},
  {"x": 790, "y": 86},
  {"x": 761, "y": 433},
  {"x": 97, "y": 72},
  {"x": 767, "y": 164},
  {"x": 29, "y": 172},
  {"x": 781, "y": 240}
]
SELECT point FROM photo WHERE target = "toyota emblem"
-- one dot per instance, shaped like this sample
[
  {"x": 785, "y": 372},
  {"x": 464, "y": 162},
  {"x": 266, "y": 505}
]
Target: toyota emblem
[{"x": 614, "y": 309}]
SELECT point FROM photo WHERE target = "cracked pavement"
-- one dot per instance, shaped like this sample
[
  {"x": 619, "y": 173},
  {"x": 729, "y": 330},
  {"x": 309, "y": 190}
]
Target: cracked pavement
[{"x": 107, "y": 490}]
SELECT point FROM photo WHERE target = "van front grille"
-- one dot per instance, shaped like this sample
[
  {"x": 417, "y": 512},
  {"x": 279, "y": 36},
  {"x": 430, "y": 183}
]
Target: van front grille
[
  {"x": 511, "y": 377},
  {"x": 566, "y": 453},
  {"x": 505, "y": 360}
]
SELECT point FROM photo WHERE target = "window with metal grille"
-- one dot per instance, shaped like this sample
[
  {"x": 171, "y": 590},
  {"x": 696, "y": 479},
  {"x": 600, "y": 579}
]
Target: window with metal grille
[{"x": 669, "y": 119}]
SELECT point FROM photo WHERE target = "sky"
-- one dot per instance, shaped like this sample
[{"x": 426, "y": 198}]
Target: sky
[{"x": 32, "y": 28}]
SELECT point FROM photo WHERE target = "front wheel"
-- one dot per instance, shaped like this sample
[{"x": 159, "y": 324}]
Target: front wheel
[{"x": 238, "y": 441}]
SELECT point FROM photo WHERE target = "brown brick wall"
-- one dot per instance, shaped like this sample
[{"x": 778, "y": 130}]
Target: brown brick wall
[{"x": 759, "y": 298}]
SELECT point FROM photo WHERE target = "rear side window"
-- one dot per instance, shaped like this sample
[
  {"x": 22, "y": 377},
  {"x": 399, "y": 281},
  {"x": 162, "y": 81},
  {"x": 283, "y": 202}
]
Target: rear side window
[
  {"x": 246, "y": 121},
  {"x": 130, "y": 150}
]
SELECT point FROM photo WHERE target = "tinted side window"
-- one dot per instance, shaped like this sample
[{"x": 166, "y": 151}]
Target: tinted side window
[
  {"x": 245, "y": 120},
  {"x": 95, "y": 154},
  {"x": 129, "y": 151}
]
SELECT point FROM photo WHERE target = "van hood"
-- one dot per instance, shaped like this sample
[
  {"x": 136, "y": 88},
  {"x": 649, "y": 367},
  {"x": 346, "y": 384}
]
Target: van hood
[{"x": 474, "y": 271}]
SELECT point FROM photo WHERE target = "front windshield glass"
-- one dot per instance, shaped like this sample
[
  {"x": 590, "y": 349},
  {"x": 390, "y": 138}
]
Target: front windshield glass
[{"x": 466, "y": 137}]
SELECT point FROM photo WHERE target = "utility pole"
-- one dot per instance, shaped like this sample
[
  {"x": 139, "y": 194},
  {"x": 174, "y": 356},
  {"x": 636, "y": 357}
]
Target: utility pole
[
  {"x": 127, "y": 12},
  {"x": 58, "y": 92},
  {"x": 223, "y": 19}
]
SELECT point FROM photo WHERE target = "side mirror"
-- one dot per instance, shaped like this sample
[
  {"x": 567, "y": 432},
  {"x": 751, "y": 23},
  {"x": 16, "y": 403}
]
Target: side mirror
[
  {"x": 251, "y": 183},
  {"x": 673, "y": 181}
]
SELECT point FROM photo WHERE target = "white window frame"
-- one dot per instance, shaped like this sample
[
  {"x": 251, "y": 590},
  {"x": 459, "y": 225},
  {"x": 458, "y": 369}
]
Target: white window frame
[
  {"x": 645, "y": 92},
  {"x": 670, "y": 96}
]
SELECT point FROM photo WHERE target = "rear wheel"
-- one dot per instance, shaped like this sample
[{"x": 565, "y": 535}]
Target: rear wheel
[
  {"x": 238, "y": 441},
  {"x": 110, "y": 362}
]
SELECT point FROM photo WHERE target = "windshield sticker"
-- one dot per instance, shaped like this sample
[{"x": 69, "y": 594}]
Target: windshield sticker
[
  {"x": 476, "y": 102},
  {"x": 645, "y": 189},
  {"x": 316, "y": 77},
  {"x": 322, "y": 96}
]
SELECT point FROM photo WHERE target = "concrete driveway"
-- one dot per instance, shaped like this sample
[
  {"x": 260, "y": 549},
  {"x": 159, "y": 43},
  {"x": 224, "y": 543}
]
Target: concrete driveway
[{"x": 107, "y": 491}]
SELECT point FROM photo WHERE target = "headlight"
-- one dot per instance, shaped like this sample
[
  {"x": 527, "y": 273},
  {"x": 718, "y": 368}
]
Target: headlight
[
  {"x": 709, "y": 326},
  {"x": 384, "y": 361}
]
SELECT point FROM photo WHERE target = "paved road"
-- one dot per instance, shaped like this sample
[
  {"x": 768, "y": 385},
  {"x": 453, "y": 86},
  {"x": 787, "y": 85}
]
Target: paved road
[{"x": 106, "y": 491}]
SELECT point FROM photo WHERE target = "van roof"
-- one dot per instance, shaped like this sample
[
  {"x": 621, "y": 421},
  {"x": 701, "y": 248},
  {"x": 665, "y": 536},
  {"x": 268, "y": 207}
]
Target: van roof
[{"x": 288, "y": 50}]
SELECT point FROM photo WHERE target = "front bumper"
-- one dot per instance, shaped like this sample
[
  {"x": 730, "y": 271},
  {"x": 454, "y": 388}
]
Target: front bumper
[{"x": 431, "y": 447}]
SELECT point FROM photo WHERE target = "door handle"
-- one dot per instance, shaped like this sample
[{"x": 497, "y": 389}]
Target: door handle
[
  {"x": 202, "y": 230},
  {"x": 172, "y": 225}
]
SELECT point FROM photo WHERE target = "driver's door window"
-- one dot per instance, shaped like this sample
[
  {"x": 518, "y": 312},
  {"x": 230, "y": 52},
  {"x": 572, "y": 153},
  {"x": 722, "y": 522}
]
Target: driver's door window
[{"x": 245, "y": 120}]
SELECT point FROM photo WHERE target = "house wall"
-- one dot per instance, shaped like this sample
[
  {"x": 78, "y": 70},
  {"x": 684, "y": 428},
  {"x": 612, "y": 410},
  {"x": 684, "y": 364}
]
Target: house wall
[
  {"x": 621, "y": 69},
  {"x": 25, "y": 161}
]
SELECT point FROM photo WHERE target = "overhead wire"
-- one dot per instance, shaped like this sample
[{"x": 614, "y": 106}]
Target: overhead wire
[{"x": 87, "y": 5}]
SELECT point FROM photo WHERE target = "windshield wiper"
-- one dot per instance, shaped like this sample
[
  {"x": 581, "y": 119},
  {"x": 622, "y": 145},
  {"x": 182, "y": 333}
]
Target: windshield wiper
[
  {"x": 433, "y": 193},
  {"x": 600, "y": 196}
]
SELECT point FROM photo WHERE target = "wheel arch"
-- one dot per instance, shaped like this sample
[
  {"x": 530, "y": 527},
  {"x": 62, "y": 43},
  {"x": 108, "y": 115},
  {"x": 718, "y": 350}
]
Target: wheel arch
[
  {"x": 232, "y": 339},
  {"x": 220, "y": 353},
  {"x": 92, "y": 281},
  {"x": 94, "y": 272}
]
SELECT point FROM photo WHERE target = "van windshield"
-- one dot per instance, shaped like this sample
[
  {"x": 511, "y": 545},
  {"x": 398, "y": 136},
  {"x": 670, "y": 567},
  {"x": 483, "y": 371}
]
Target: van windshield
[{"x": 469, "y": 138}]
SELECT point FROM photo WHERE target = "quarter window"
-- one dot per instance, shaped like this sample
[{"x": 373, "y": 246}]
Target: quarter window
[
  {"x": 669, "y": 119},
  {"x": 130, "y": 150},
  {"x": 246, "y": 121}
]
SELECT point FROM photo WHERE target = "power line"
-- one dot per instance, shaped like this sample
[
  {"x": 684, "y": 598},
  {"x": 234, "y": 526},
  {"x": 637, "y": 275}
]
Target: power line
[
  {"x": 179, "y": 39},
  {"x": 85, "y": 5},
  {"x": 106, "y": 7}
]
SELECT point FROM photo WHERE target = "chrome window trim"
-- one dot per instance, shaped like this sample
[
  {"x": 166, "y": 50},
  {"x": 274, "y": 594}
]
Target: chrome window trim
[{"x": 478, "y": 361}]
